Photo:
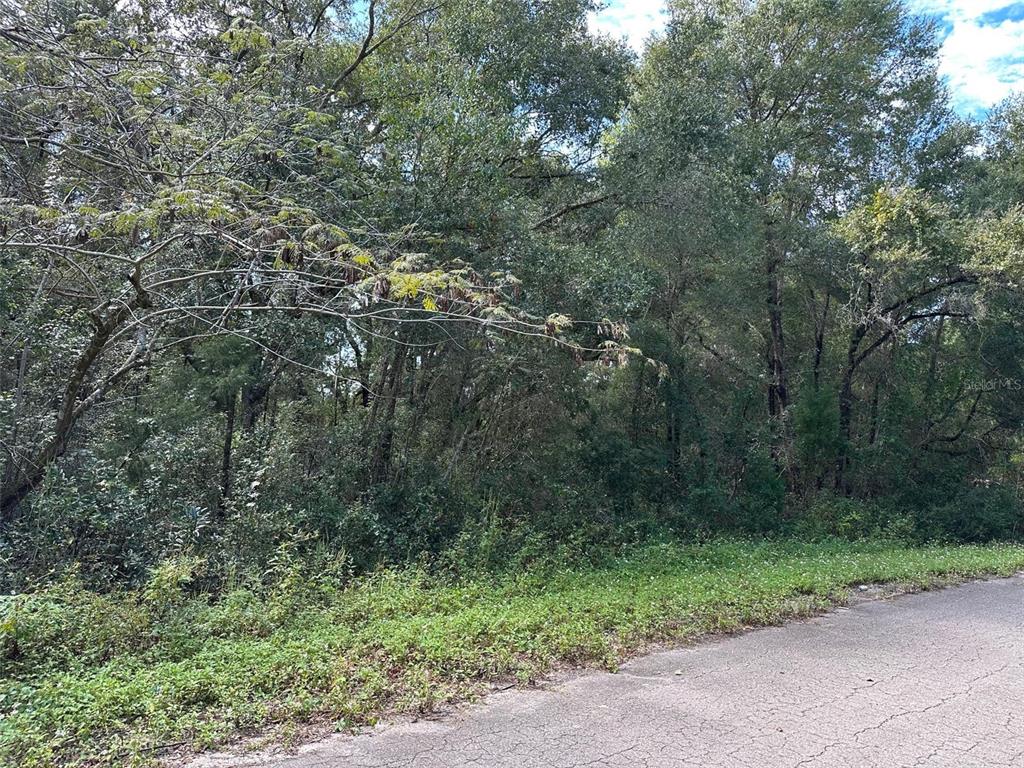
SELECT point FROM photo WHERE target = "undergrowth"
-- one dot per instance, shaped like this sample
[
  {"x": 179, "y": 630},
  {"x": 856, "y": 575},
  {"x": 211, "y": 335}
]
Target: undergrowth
[{"x": 111, "y": 679}]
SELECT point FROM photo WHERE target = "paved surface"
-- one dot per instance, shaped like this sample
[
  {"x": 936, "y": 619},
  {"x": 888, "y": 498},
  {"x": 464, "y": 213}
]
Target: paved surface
[{"x": 929, "y": 680}]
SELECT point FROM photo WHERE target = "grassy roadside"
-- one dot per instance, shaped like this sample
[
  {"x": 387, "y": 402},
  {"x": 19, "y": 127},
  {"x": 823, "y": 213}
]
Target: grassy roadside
[{"x": 106, "y": 680}]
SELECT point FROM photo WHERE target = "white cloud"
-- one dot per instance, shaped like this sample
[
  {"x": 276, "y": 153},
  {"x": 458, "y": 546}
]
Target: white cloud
[
  {"x": 633, "y": 19},
  {"x": 982, "y": 57}
]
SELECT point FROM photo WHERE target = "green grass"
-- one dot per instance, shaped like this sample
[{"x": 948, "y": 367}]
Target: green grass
[{"x": 90, "y": 679}]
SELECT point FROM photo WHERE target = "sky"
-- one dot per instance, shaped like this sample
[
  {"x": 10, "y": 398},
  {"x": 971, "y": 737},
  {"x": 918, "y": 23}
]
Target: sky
[{"x": 982, "y": 54}]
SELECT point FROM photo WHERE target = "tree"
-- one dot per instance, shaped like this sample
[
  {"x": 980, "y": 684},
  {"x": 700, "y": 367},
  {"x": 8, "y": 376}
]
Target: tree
[
  {"x": 805, "y": 103},
  {"x": 174, "y": 177}
]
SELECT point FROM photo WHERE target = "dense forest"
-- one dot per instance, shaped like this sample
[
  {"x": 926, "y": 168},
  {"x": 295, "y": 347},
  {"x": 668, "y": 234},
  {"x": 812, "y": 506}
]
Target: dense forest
[
  {"x": 357, "y": 356},
  {"x": 464, "y": 283}
]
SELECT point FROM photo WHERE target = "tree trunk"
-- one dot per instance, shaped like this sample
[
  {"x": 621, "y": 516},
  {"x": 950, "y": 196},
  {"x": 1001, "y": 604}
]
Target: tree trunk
[
  {"x": 846, "y": 406},
  {"x": 819, "y": 340},
  {"x": 380, "y": 463},
  {"x": 778, "y": 395},
  {"x": 933, "y": 369},
  {"x": 254, "y": 399},
  {"x": 873, "y": 434},
  {"x": 225, "y": 463},
  {"x": 636, "y": 405},
  {"x": 28, "y": 476}
]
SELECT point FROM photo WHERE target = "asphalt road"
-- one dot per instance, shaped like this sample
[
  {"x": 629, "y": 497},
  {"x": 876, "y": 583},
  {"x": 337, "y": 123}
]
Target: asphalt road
[{"x": 927, "y": 680}]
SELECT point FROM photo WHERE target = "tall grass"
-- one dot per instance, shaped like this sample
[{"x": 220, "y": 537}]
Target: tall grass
[{"x": 107, "y": 679}]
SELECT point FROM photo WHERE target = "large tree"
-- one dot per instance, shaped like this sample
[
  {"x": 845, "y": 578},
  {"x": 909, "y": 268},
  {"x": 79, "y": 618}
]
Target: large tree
[
  {"x": 177, "y": 174},
  {"x": 799, "y": 107}
]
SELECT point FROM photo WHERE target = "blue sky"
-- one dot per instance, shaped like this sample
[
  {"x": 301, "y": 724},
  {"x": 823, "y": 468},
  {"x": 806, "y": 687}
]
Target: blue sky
[{"x": 982, "y": 56}]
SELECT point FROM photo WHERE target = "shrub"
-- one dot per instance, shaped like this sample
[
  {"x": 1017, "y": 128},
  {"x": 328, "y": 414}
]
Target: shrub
[
  {"x": 66, "y": 625},
  {"x": 827, "y": 515},
  {"x": 977, "y": 514}
]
